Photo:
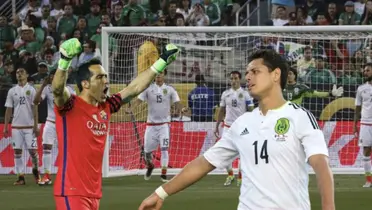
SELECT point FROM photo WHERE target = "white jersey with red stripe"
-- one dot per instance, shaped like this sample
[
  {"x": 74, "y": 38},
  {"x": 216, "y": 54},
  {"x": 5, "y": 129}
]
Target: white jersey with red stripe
[
  {"x": 159, "y": 100},
  {"x": 21, "y": 99},
  {"x": 236, "y": 102},
  {"x": 364, "y": 99}
]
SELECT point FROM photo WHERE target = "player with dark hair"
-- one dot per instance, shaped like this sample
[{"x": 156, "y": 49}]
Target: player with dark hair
[
  {"x": 275, "y": 142},
  {"x": 82, "y": 124},
  {"x": 234, "y": 102}
]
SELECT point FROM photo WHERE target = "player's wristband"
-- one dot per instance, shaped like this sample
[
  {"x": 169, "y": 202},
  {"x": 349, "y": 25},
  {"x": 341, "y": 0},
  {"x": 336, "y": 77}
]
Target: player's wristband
[
  {"x": 159, "y": 66},
  {"x": 161, "y": 193},
  {"x": 64, "y": 64}
]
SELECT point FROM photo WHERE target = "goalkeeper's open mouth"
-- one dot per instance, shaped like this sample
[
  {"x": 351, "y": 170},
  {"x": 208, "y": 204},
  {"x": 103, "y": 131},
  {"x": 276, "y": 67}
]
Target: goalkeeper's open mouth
[{"x": 105, "y": 91}]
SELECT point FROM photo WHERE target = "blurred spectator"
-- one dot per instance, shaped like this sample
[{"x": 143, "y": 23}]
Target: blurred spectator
[
  {"x": 349, "y": 75},
  {"x": 50, "y": 60},
  {"x": 320, "y": 75},
  {"x": 41, "y": 74},
  {"x": 366, "y": 16},
  {"x": 349, "y": 17},
  {"x": 227, "y": 11},
  {"x": 9, "y": 52},
  {"x": 197, "y": 17},
  {"x": 66, "y": 24},
  {"x": 83, "y": 29},
  {"x": 116, "y": 15},
  {"x": 26, "y": 61},
  {"x": 93, "y": 18},
  {"x": 58, "y": 9},
  {"x": 106, "y": 19},
  {"x": 359, "y": 6},
  {"x": 293, "y": 20},
  {"x": 45, "y": 14},
  {"x": 172, "y": 15},
  {"x": 201, "y": 101},
  {"x": 133, "y": 14},
  {"x": 358, "y": 60},
  {"x": 52, "y": 30},
  {"x": 152, "y": 13},
  {"x": 33, "y": 22},
  {"x": 27, "y": 40},
  {"x": 305, "y": 62},
  {"x": 281, "y": 16},
  {"x": 313, "y": 7},
  {"x": 213, "y": 12},
  {"x": 303, "y": 17},
  {"x": 337, "y": 53},
  {"x": 90, "y": 51},
  {"x": 29, "y": 8},
  {"x": 288, "y": 5},
  {"x": 7, "y": 33},
  {"x": 6, "y": 79},
  {"x": 332, "y": 14},
  {"x": 184, "y": 8},
  {"x": 321, "y": 19},
  {"x": 48, "y": 44}
]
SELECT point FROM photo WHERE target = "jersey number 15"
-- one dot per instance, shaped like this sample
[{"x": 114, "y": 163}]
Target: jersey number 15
[{"x": 263, "y": 152}]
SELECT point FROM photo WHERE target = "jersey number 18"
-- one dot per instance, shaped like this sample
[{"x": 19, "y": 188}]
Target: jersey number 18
[{"x": 263, "y": 152}]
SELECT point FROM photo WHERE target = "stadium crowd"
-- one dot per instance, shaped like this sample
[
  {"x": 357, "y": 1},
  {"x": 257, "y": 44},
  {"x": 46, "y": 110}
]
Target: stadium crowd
[{"x": 31, "y": 39}]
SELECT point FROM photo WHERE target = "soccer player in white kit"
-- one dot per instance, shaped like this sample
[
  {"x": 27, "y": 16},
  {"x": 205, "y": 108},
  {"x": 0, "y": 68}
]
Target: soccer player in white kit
[
  {"x": 234, "y": 102},
  {"x": 363, "y": 111},
  {"x": 49, "y": 133},
  {"x": 275, "y": 148},
  {"x": 159, "y": 97},
  {"x": 19, "y": 101}
]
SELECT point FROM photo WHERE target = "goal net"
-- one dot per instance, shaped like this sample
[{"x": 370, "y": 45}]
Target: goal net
[{"x": 323, "y": 56}]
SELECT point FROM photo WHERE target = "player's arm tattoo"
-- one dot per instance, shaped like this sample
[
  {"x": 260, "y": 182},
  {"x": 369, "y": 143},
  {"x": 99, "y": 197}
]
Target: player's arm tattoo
[{"x": 60, "y": 92}]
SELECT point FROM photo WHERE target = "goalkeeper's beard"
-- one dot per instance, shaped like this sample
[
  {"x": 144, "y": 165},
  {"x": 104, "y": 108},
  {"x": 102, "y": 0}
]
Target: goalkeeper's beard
[{"x": 368, "y": 79}]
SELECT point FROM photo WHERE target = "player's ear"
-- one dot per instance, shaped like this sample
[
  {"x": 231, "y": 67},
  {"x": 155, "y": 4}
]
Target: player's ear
[
  {"x": 85, "y": 84},
  {"x": 276, "y": 75}
]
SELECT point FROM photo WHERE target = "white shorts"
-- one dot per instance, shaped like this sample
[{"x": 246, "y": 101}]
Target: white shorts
[
  {"x": 365, "y": 135},
  {"x": 21, "y": 136},
  {"x": 156, "y": 135},
  {"x": 49, "y": 133}
]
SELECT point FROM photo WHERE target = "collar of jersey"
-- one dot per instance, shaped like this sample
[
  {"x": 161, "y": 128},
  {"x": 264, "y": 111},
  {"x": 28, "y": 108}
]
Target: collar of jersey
[
  {"x": 277, "y": 109},
  {"x": 236, "y": 89}
]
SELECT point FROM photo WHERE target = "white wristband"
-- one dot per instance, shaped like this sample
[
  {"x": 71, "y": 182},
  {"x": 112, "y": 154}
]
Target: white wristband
[{"x": 161, "y": 193}]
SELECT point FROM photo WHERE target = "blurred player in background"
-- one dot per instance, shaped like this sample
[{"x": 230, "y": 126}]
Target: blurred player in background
[
  {"x": 363, "y": 111},
  {"x": 82, "y": 124},
  {"x": 49, "y": 132},
  {"x": 296, "y": 92},
  {"x": 276, "y": 142},
  {"x": 159, "y": 97},
  {"x": 147, "y": 54},
  {"x": 24, "y": 124},
  {"x": 234, "y": 102}
]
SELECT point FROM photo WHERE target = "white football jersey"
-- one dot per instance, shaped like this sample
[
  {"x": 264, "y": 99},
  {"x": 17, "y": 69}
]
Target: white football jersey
[
  {"x": 47, "y": 94},
  {"x": 21, "y": 99},
  {"x": 236, "y": 102},
  {"x": 364, "y": 98},
  {"x": 274, "y": 151},
  {"x": 159, "y": 101}
]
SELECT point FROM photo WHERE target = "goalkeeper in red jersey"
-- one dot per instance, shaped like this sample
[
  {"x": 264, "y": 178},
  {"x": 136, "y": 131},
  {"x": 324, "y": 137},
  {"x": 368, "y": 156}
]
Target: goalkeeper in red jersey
[{"x": 82, "y": 124}]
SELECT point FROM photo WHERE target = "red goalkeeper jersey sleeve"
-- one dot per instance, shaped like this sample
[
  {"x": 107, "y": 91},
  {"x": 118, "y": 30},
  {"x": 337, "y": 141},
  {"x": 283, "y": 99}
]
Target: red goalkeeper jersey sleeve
[{"x": 81, "y": 131}]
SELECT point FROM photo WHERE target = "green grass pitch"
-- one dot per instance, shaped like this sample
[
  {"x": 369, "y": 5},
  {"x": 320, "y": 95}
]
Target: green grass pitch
[{"x": 209, "y": 194}]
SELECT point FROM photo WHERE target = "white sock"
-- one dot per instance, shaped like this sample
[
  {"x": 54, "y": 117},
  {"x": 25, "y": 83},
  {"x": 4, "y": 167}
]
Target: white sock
[
  {"x": 367, "y": 165},
  {"x": 47, "y": 161},
  {"x": 18, "y": 161},
  {"x": 164, "y": 159}
]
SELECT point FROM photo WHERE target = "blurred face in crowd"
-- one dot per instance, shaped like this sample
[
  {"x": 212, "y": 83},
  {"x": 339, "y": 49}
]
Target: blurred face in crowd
[
  {"x": 49, "y": 58},
  {"x": 260, "y": 80},
  {"x": 348, "y": 68},
  {"x": 161, "y": 21},
  {"x": 82, "y": 23},
  {"x": 27, "y": 35},
  {"x": 77, "y": 34},
  {"x": 9, "y": 68},
  {"x": 180, "y": 22},
  {"x": 52, "y": 24},
  {"x": 198, "y": 8},
  {"x": 368, "y": 73},
  {"x": 321, "y": 20},
  {"x": 332, "y": 9},
  {"x": 87, "y": 48},
  {"x": 320, "y": 63},
  {"x": 358, "y": 55},
  {"x": 292, "y": 22},
  {"x": 68, "y": 10},
  {"x": 32, "y": 3},
  {"x": 349, "y": 9},
  {"x": 42, "y": 69},
  {"x": 45, "y": 11},
  {"x": 300, "y": 12},
  {"x": 172, "y": 8},
  {"x": 308, "y": 55},
  {"x": 235, "y": 81},
  {"x": 281, "y": 13},
  {"x": 291, "y": 77},
  {"x": 185, "y": 3},
  {"x": 159, "y": 79},
  {"x": 106, "y": 19},
  {"x": 95, "y": 9},
  {"x": 21, "y": 75},
  {"x": 369, "y": 6},
  {"x": 3, "y": 21},
  {"x": 117, "y": 9}
]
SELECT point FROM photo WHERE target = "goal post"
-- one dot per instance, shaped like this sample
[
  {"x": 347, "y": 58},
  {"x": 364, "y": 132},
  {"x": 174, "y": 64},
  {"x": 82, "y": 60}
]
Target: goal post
[{"x": 216, "y": 51}]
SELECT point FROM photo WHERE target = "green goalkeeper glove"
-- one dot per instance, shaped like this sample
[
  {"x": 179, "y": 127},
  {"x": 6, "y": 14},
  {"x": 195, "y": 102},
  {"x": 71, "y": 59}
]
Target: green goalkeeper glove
[
  {"x": 68, "y": 49},
  {"x": 169, "y": 55}
]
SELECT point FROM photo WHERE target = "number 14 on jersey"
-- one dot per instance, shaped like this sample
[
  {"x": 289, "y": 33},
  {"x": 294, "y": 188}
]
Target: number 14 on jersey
[{"x": 260, "y": 152}]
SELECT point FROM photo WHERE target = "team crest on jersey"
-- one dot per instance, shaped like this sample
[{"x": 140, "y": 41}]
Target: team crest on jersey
[
  {"x": 28, "y": 92},
  {"x": 103, "y": 115},
  {"x": 296, "y": 90},
  {"x": 165, "y": 91},
  {"x": 281, "y": 128},
  {"x": 240, "y": 95}
]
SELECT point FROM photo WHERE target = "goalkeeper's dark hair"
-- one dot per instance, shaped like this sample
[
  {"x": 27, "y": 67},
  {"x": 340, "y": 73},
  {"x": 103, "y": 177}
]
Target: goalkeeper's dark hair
[
  {"x": 272, "y": 60},
  {"x": 294, "y": 71},
  {"x": 369, "y": 64},
  {"x": 237, "y": 73},
  {"x": 84, "y": 73}
]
